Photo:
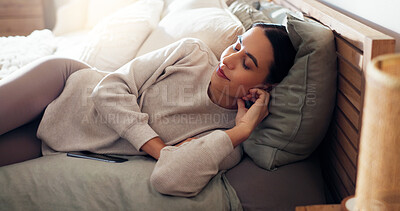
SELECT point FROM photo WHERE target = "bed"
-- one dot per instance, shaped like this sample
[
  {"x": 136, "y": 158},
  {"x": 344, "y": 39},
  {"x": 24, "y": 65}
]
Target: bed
[{"x": 304, "y": 174}]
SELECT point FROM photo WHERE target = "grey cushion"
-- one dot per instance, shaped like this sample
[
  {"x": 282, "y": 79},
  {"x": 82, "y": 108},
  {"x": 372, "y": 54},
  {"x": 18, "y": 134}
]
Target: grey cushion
[
  {"x": 301, "y": 105},
  {"x": 247, "y": 14},
  {"x": 276, "y": 13},
  {"x": 291, "y": 185}
]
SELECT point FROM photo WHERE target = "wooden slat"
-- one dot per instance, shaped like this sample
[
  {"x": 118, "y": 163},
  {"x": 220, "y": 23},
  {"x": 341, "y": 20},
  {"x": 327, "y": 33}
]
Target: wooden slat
[
  {"x": 21, "y": 8},
  {"x": 350, "y": 92},
  {"x": 20, "y": 26},
  {"x": 344, "y": 160},
  {"x": 350, "y": 53},
  {"x": 336, "y": 182},
  {"x": 325, "y": 163},
  {"x": 345, "y": 106},
  {"x": 351, "y": 151},
  {"x": 350, "y": 73},
  {"x": 374, "y": 46},
  {"x": 344, "y": 141},
  {"x": 341, "y": 173},
  {"x": 333, "y": 183},
  {"x": 346, "y": 126}
]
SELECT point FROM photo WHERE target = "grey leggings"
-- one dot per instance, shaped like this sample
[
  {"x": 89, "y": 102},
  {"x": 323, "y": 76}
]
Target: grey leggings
[{"x": 25, "y": 94}]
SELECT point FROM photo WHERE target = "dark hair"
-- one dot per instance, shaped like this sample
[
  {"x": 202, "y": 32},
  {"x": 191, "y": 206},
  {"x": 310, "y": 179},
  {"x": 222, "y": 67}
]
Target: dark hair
[{"x": 284, "y": 52}]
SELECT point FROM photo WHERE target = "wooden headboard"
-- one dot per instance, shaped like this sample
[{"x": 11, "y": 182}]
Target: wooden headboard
[
  {"x": 20, "y": 17},
  {"x": 356, "y": 45}
]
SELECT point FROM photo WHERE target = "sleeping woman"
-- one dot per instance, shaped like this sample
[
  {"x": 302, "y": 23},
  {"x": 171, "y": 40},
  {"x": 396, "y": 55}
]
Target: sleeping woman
[{"x": 178, "y": 104}]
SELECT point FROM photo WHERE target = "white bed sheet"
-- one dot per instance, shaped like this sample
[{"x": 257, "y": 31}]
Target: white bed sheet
[{"x": 17, "y": 51}]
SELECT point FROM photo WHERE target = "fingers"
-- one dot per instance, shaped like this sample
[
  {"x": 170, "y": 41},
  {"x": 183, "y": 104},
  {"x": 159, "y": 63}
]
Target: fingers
[
  {"x": 250, "y": 97},
  {"x": 257, "y": 94},
  {"x": 240, "y": 104}
]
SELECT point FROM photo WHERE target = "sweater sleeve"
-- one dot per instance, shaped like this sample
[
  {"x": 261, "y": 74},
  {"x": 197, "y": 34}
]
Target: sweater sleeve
[
  {"x": 185, "y": 170},
  {"x": 116, "y": 96}
]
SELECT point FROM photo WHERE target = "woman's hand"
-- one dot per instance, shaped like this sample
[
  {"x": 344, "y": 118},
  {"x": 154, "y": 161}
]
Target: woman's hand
[
  {"x": 248, "y": 119},
  {"x": 257, "y": 112},
  {"x": 153, "y": 147},
  {"x": 184, "y": 141}
]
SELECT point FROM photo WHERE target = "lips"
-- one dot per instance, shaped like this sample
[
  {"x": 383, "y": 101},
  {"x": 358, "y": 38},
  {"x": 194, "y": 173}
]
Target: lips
[{"x": 221, "y": 73}]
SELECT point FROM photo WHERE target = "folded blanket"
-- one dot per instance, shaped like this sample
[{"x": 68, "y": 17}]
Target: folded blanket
[
  {"x": 17, "y": 51},
  {"x": 58, "y": 182}
]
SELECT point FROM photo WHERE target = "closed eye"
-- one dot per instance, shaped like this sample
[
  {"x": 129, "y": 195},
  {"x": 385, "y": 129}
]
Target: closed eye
[
  {"x": 237, "y": 47},
  {"x": 245, "y": 66}
]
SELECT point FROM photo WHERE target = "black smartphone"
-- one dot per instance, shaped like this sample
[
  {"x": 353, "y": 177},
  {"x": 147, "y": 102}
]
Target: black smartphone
[
  {"x": 248, "y": 103},
  {"x": 94, "y": 156}
]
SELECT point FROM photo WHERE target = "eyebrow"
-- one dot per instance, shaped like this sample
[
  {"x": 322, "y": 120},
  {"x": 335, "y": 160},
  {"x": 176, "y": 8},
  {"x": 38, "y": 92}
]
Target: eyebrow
[{"x": 247, "y": 53}]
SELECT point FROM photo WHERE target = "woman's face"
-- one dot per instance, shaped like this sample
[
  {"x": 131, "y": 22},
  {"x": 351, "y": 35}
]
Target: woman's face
[{"x": 244, "y": 65}]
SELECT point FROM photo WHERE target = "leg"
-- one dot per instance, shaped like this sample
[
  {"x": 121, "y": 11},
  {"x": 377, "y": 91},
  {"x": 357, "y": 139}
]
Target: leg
[
  {"x": 26, "y": 93},
  {"x": 20, "y": 144}
]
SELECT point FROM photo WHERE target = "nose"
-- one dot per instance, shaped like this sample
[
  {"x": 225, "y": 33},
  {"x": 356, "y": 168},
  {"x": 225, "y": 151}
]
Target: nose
[{"x": 230, "y": 60}]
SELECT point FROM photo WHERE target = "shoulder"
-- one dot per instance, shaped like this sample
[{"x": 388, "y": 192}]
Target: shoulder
[
  {"x": 197, "y": 47},
  {"x": 194, "y": 43}
]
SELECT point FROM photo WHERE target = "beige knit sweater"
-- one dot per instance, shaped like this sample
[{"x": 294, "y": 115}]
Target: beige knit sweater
[{"x": 163, "y": 93}]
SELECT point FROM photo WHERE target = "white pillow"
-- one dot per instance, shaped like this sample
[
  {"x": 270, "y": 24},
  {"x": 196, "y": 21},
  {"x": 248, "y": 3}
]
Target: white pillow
[
  {"x": 215, "y": 26},
  {"x": 70, "y": 17},
  {"x": 116, "y": 40},
  {"x": 98, "y": 9},
  {"x": 180, "y": 5}
]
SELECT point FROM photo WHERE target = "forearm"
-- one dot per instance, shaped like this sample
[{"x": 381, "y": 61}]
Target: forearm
[
  {"x": 153, "y": 147},
  {"x": 248, "y": 119},
  {"x": 238, "y": 134}
]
